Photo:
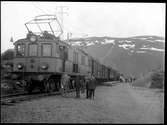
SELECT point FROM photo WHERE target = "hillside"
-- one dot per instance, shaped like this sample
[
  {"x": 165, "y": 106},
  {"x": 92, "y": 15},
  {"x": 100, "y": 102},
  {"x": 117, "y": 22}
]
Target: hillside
[
  {"x": 134, "y": 56},
  {"x": 7, "y": 55}
]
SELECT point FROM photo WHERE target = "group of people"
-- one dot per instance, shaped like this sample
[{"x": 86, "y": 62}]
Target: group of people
[{"x": 81, "y": 84}]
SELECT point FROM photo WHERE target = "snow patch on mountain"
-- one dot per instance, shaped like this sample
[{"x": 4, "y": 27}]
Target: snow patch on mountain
[
  {"x": 143, "y": 38},
  {"x": 110, "y": 41},
  {"x": 144, "y": 46},
  {"x": 78, "y": 42},
  {"x": 140, "y": 51},
  {"x": 125, "y": 41},
  {"x": 131, "y": 51},
  {"x": 159, "y": 40},
  {"x": 127, "y": 46},
  {"x": 150, "y": 41},
  {"x": 96, "y": 41},
  {"x": 88, "y": 44},
  {"x": 155, "y": 49}
]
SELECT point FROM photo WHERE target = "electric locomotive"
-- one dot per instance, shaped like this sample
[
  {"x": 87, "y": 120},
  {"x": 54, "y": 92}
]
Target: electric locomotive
[{"x": 41, "y": 58}]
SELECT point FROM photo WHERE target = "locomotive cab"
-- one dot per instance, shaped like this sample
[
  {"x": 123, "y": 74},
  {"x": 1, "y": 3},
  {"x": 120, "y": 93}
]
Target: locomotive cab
[
  {"x": 31, "y": 50},
  {"x": 38, "y": 55}
]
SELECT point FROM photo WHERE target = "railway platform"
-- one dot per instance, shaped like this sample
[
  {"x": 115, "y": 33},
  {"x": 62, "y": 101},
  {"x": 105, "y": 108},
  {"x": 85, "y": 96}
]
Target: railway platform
[{"x": 116, "y": 104}]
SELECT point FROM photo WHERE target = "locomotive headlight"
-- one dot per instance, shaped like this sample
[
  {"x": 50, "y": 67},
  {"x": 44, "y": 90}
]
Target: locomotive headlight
[
  {"x": 20, "y": 66},
  {"x": 33, "y": 38},
  {"x": 44, "y": 67}
]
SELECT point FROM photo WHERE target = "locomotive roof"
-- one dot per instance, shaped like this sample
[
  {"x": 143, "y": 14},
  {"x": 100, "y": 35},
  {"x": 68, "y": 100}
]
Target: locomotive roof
[{"x": 39, "y": 39}]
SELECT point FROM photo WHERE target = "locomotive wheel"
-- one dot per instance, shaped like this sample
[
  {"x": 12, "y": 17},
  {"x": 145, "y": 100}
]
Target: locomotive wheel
[
  {"x": 51, "y": 85},
  {"x": 29, "y": 87},
  {"x": 46, "y": 85},
  {"x": 24, "y": 83},
  {"x": 58, "y": 86},
  {"x": 42, "y": 87}
]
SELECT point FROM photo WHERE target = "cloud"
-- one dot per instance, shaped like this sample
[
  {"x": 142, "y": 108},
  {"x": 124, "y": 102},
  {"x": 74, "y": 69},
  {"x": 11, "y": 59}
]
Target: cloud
[{"x": 94, "y": 19}]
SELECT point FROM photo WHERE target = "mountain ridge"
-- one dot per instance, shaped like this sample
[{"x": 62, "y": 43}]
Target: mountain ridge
[{"x": 132, "y": 56}]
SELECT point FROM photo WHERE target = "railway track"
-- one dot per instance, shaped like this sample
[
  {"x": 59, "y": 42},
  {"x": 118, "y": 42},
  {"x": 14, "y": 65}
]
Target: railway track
[
  {"x": 14, "y": 98},
  {"x": 12, "y": 95}
]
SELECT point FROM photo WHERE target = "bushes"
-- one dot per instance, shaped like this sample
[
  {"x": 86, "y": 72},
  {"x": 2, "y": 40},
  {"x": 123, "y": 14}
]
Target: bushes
[{"x": 157, "y": 79}]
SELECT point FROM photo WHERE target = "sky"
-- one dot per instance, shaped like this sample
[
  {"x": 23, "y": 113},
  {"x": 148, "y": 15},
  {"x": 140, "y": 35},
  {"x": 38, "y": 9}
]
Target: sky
[{"x": 84, "y": 19}]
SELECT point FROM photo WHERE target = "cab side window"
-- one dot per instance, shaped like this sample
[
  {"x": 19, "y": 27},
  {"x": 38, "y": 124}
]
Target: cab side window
[
  {"x": 20, "y": 50},
  {"x": 33, "y": 49},
  {"x": 46, "y": 49},
  {"x": 75, "y": 62}
]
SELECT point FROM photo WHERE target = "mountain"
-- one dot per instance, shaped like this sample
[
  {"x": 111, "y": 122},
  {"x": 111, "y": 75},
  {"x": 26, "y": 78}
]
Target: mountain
[{"x": 132, "y": 56}]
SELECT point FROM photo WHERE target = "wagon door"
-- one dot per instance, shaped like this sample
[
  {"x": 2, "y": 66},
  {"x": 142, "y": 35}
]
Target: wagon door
[
  {"x": 92, "y": 66},
  {"x": 75, "y": 62},
  {"x": 63, "y": 56}
]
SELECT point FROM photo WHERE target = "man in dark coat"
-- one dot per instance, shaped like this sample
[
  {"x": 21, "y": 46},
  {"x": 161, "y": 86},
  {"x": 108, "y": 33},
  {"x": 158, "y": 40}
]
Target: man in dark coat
[
  {"x": 92, "y": 86},
  {"x": 88, "y": 80},
  {"x": 87, "y": 89},
  {"x": 78, "y": 86},
  {"x": 82, "y": 82}
]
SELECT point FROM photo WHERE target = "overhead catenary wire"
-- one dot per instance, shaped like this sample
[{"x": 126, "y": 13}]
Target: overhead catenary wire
[
  {"x": 39, "y": 8},
  {"x": 46, "y": 13},
  {"x": 65, "y": 28}
]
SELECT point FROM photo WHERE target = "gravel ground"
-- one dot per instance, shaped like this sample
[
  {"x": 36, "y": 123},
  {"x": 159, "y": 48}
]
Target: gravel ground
[{"x": 116, "y": 104}]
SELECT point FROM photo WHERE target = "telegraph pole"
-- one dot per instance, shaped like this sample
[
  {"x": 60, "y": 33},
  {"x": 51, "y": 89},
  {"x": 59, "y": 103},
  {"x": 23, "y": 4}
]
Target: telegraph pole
[
  {"x": 69, "y": 34},
  {"x": 62, "y": 12}
]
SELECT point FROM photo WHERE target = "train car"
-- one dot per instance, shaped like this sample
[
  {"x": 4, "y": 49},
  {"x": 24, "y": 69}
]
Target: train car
[{"x": 41, "y": 58}]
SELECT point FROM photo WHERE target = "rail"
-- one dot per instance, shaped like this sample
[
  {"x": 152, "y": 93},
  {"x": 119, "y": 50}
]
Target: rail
[{"x": 14, "y": 98}]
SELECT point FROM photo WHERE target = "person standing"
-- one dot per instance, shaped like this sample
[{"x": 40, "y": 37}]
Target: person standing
[
  {"x": 73, "y": 83},
  {"x": 64, "y": 84},
  {"x": 78, "y": 86},
  {"x": 92, "y": 87},
  {"x": 82, "y": 82}
]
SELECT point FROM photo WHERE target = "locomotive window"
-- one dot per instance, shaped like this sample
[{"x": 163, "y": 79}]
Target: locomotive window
[
  {"x": 20, "y": 50},
  {"x": 33, "y": 49},
  {"x": 46, "y": 50}
]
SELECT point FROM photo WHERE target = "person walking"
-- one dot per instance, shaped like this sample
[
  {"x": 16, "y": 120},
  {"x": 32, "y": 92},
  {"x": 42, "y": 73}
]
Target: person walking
[
  {"x": 78, "y": 86},
  {"x": 92, "y": 87}
]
